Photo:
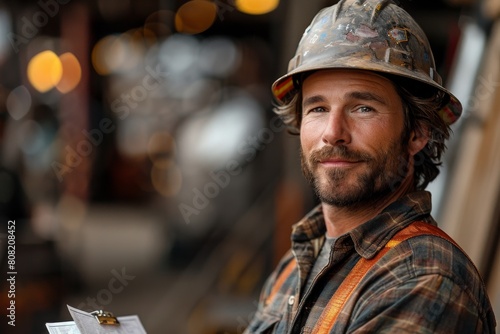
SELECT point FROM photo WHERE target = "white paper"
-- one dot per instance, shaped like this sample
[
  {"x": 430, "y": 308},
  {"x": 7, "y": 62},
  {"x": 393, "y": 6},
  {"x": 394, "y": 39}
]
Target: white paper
[
  {"x": 66, "y": 327},
  {"x": 85, "y": 323}
]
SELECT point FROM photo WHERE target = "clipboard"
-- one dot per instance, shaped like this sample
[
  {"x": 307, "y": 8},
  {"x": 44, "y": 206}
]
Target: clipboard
[{"x": 96, "y": 322}]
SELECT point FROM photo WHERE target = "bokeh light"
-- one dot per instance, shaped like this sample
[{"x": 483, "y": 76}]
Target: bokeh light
[
  {"x": 30, "y": 137},
  {"x": 18, "y": 102},
  {"x": 109, "y": 54},
  {"x": 179, "y": 54},
  {"x": 161, "y": 149},
  {"x": 143, "y": 38},
  {"x": 167, "y": 180},
  {"x": 136, "y": 42},
  {"x": 256, "y": 7},
  {"x": 209, "y": 140},
  {"x": 45, "y": 71},
  {"x": 195, "y": 16},
  {"x": 72, "y": 73},
  {"x": 160, "y": 22},
  {"x": 219, "y": 56},
  {"x": 133, "y": 135},
  {"x": 200, "y": 95}
]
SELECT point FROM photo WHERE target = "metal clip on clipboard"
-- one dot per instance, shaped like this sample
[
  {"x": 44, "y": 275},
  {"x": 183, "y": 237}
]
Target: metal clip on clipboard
[{"x": 105, "y": 318}]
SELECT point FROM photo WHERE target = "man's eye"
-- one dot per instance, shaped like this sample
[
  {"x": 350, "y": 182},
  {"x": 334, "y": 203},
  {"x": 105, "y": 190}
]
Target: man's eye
[
  {"x": 317, "y": 109},
  {"x": 364, "y": 109}
]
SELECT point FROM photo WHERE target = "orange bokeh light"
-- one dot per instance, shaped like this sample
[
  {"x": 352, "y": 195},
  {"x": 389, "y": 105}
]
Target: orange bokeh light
[
  {"x": 256, "y": 7},
  {"x": 72, "y": 73},
  {"x": 195, "y": 16}
]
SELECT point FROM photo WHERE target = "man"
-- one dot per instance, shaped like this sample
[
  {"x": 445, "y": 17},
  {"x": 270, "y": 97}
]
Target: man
[{"x": 372, "y": 115}]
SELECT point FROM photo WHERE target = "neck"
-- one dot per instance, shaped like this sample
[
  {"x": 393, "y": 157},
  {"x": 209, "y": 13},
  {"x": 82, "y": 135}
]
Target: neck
[{"x": 340, "y": 220}]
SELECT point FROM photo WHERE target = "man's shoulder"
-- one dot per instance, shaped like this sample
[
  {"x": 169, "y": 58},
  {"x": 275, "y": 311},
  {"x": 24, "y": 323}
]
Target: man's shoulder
[
  {"x": 433, "y": 262},
  {"x": 433, "y": 252},
  {"x": 433, "y": 255}
]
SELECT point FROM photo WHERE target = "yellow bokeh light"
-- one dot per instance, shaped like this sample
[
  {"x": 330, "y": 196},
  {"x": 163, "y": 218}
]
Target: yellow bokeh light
[
  {"x": 195, "y": 16},
  {"x": 256, "y": 7},
  {"x": 45, "y": 71},
  {"x": 72, "y": 73}
]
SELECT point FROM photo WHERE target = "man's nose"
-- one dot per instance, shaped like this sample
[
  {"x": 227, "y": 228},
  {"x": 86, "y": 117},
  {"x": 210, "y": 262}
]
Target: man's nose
[{"x": 336, "y": 129}]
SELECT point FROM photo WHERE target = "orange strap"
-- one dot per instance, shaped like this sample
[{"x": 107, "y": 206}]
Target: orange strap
[
  {"x": 281, "y": 280},
  {"x": 337, "y": 302}
]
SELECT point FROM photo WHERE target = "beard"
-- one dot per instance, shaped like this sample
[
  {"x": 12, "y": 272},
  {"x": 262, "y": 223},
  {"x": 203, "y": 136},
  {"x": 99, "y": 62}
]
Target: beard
[{"x": 351, "y": 188}]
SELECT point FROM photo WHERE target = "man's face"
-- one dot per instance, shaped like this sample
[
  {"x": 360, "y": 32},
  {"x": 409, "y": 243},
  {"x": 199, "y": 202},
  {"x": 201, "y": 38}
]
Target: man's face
[{"x": 351, "y": 136}]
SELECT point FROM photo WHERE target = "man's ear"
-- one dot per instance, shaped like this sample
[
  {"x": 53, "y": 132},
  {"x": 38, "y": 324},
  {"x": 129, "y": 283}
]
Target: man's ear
[{"x": 418, "y": 139}]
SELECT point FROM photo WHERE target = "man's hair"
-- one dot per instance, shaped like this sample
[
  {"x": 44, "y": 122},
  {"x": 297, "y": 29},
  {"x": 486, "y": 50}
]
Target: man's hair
[{"x": 421, "y": 106}]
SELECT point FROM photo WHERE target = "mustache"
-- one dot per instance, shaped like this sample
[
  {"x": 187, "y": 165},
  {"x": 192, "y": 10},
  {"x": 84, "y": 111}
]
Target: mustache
[{"x": 338, "y": 152}]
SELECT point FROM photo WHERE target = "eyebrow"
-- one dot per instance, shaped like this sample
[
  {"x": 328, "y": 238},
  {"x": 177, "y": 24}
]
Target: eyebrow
[
  {"x": 361, "y": 95},
  {"x": 366, "y": 96},
  {"x": 312, "y": 100}
]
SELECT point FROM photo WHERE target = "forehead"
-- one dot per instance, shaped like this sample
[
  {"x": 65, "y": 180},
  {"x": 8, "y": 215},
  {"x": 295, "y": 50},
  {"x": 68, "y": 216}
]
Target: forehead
[{"x": 345, "y": 79}]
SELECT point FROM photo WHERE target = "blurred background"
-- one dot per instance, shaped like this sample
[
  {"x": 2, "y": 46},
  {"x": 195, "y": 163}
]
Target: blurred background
[{"x": 146, "y": 173}]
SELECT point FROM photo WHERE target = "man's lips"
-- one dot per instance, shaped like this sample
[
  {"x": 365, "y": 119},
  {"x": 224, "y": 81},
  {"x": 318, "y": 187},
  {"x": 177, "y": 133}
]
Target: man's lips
[{"x": 338, "y": 162}]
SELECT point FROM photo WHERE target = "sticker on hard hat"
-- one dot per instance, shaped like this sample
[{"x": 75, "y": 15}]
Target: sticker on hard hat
[{"x": 399, "y": 35}]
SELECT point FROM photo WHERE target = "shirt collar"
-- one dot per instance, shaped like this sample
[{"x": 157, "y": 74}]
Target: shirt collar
[{"x": 371, "y": 236}]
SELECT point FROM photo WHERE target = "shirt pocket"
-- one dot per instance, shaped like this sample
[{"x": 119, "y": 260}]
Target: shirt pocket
[{"x": 263, "y": 323}]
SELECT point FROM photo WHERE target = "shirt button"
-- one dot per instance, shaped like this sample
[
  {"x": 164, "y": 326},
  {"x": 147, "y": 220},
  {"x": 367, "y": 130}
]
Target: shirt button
[{"x": 291, "y": 300}]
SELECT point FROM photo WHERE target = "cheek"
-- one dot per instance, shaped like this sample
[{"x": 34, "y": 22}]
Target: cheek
[
  {"x": 377, "y": 137},
  {"x": 311, "y": 128},
  {"x": 304, "y": 143},
  {"x": 308, "y": 137}
]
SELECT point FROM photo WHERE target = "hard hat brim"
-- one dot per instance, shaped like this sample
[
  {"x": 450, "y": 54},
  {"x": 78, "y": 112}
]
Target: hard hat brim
[{"x": 287, "y": 86}]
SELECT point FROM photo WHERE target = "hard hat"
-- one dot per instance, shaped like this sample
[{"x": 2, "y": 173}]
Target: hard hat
[{"x": 374, "y": 35}]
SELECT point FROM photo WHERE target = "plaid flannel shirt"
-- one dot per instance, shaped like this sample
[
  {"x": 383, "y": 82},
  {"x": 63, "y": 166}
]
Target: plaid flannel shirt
[{"x": 423, "y": 285}]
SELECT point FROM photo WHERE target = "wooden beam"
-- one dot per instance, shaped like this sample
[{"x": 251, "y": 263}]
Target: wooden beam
[
  {"x": 74, "y": 107},
  {"x": 469, "y": 209}
]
